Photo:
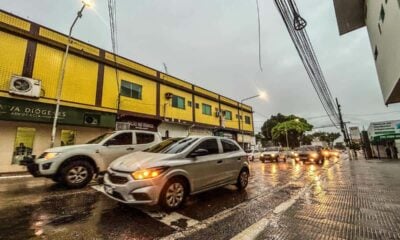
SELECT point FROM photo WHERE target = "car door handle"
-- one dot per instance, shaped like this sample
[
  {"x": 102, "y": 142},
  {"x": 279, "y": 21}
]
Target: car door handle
[
  {"x": 130, "y": 149},
  {"x": 219, "y": 161}
]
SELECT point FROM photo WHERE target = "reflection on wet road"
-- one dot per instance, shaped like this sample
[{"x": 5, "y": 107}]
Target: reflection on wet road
[{"x": 38, "y": 208}]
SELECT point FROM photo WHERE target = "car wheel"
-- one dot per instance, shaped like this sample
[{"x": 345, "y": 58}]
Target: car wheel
[
  {"x": 173, "y": 194},
  {"x": 77, "y": 174},
  {"x": 243, "y": 179}
]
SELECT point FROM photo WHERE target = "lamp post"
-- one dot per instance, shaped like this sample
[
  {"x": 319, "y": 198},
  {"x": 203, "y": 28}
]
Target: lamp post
[
  {"x": 262, "y": 95},
  {"x": 287, "y": 138},
  {"x": 85, "y": 3}
]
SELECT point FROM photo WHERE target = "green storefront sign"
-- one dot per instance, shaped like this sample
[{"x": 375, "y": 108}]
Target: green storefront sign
[{"x": 21, "y": 110}]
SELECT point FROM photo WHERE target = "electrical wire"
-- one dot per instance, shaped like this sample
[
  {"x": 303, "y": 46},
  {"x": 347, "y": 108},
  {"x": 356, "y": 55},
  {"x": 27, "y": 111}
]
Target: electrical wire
[
  {"x": 259, "y": 37},
  {"x": 288, "y": 10},
  {"x": 112, "y": 12}
]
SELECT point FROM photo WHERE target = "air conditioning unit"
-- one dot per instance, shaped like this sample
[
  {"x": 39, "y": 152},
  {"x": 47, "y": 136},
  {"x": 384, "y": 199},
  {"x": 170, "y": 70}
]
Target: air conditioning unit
[
  {"x": 168, "y": 95},
  {"x": 91, "y": 119},
  {"x": 25, "y": 86}
]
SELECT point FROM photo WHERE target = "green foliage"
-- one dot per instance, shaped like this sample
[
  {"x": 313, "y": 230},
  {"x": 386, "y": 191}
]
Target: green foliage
[
  {"x": 268, "y": 125},
  {"x": 294, "y": 128}
]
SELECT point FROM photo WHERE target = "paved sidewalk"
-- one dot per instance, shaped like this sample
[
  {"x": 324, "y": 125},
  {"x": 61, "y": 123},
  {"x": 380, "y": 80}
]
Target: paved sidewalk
[{"x": 358, "y": 199}]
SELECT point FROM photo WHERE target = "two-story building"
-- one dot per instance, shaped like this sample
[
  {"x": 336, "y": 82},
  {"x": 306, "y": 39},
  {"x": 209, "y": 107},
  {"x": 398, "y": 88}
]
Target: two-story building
[{"x": 101, "y": 92}]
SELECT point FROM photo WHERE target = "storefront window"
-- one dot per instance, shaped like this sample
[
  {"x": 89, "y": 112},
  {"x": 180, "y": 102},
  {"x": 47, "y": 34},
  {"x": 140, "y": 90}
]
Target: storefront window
[
  {"x": 67, "y": 137},
  {"x": 23, "y": 144}
]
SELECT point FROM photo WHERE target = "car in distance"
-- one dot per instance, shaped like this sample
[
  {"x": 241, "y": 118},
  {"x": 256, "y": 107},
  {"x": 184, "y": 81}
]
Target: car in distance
[
  {"x": 253, "y": 154},
  {"x": 308, "y": 153},
  {"x": 75, "y": 165},
  {"x": 273, "y": 154},
  {"x": 169, "y": 171}
]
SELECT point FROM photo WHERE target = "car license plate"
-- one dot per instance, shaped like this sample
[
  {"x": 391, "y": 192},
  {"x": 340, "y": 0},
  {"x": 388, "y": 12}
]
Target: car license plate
[{"x": 108, "y": 189}]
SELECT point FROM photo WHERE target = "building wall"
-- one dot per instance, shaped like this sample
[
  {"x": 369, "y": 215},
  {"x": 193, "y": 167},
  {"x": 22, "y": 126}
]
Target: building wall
[
  {"x": 41, "y": 140},
  {"x": 146, "y": 105},
  {"x": 234, "y": 122},
  {"x": 203, "y": 118},
  {"x": 386, "y": 41},
  {"x": 166, "y": 109}
]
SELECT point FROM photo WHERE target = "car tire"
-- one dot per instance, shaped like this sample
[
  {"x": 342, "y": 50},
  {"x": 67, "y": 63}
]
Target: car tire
[
  {"x": 243, "y": 179},
  {"x": 173, "y": 194},
  {"x": 77, "y": 174}
]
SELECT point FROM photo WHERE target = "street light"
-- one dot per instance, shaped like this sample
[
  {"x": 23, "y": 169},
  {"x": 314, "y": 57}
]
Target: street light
[
  {"x": 262, "y": 95},
  {"x": 287, "y": 139},
  {"x": 85, "y": 3}
]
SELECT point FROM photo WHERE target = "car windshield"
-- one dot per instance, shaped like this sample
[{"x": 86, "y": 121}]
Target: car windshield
[
  {"x": 171, "y": 146},
  {"x": 272, "y": 149},
  {"x": 99, "y": 138},
  {"x": 308, "y": 148}
]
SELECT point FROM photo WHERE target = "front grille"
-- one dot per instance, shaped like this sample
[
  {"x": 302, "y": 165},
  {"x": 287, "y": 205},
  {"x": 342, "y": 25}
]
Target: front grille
[
  {"x": 117, "y": 195},
  {"x": 117, "y": 179}
]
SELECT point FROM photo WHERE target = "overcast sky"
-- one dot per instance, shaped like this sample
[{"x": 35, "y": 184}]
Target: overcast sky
[{"x": 213, "y": 44}]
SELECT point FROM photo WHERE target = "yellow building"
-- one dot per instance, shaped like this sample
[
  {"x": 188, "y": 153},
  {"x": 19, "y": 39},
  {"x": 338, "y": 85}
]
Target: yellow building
[{"x": 100, "y": 92}]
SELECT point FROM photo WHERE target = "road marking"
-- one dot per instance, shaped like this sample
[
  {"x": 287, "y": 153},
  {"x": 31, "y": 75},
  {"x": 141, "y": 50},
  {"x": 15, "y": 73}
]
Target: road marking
[
  {"x": 17, "y": 176},
  {"x": 257, "y": 228},
  {"x": 173, "y": 219}
]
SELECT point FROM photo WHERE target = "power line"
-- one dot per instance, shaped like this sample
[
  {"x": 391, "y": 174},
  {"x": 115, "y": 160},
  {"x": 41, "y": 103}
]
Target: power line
[
  {"x": 295, "y": 26},
  {"x": 259, "y": 37},
  {"x": 112, "y": 13}
]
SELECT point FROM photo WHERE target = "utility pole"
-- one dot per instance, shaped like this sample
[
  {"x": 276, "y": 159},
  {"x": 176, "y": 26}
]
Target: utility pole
[{"x": 344, "y": 129}]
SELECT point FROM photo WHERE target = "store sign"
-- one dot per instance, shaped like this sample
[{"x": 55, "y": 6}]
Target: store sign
[
  {"x": 391, "y": 129},
  {"x": 136, "y": 125},
  {"x": 20, "y": 110}
]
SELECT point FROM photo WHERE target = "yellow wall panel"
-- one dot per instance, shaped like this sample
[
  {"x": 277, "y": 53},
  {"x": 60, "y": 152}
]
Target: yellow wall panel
[
  {"x": 44, "y": 32},
  {"x": 234, "y": 123},
  {"x": 206, "y": 92},
  {"x": 80, "y": 79},
  {"x": 203, "y": 118},
  {"x": 14, "y": 21},
  {"x": 175, "y": 81},
  {"x": 247, "y": 127},
  {"x": 147, "y": 105},
  {"x": 12, "y": 55},
  {"x": 166, "y": 109},
  {"x": 132, "y": 64},
  {"x": 228, "y": 100}
]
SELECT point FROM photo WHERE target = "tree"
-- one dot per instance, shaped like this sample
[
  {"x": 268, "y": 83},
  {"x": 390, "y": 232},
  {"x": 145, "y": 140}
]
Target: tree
[
  {"x": 293, "y": 129},
  {"x": 327, "y": 137},
  {"x": 268, "y": 125}
]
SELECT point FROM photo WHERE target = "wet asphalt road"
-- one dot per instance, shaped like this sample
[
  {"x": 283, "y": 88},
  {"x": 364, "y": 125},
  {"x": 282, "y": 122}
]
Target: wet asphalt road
[{"x": 341, "y": 200}]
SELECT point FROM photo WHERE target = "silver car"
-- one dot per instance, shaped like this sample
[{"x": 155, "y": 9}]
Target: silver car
[{"x": 169, "y": 171}]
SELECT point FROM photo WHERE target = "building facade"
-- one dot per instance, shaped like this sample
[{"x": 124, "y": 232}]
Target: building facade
[
  {"x": 101, "y": 92},
  {"x": 382, "y": 18}
]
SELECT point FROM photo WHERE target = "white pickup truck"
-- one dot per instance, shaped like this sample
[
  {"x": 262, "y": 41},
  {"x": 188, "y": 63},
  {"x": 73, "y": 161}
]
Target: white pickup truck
[{"x": 75, "y": 165}]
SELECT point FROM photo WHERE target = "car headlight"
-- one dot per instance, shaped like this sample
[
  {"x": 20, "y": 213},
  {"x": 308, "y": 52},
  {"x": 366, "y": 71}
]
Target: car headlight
[
  {"x": 50, "y": 155},
  {"x": 314, "y": 155},
  {"x": 273, "y": 155},
  {"x": 325, "y": 153},
  {"x": 296, "y": 154},
  {"x": 148, "y": 173}
]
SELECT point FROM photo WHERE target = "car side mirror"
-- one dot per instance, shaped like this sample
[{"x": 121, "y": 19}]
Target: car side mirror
[{"x": 199, "y": 152}]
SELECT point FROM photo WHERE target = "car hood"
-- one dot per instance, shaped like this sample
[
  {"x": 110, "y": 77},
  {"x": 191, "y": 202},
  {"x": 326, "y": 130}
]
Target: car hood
[
  {"x": 71, "y": 147},
  {"x": 139, "y": 160},
  {"x": 271, "y": 152}
]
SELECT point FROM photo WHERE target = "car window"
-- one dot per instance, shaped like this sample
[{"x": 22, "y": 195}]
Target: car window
[
  {"x": 229, "y": 146},
  {"x": 172, "y": 145},
  {"x": 143, "y": 138},
  {"x": 210, "y": 145},
  {"x": 121, "y": 139},
  {"x": 99, "y": 138}
]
